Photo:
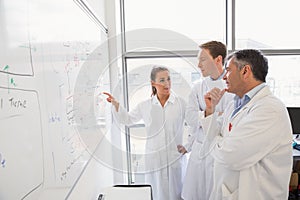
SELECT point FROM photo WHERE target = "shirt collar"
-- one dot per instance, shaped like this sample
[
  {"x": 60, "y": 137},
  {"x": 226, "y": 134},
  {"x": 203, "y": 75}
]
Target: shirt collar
[
  {"x": 255, "y": 90},
  {"x": 171, "y": 99},
  {"x": 249, "y": 95}
]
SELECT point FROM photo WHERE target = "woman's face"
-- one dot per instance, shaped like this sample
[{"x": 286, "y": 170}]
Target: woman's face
[{"x": 162, "y": 83}]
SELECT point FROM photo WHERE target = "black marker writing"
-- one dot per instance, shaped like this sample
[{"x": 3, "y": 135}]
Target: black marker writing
[
  {"x": 2, "y": 161},
  {"x": 17, "y": 103}
]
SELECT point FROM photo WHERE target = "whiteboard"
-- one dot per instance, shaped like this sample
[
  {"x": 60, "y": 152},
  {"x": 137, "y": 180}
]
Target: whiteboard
[
  {"x": 21, "y": 143},
  {"x": 47, "y": 49}
]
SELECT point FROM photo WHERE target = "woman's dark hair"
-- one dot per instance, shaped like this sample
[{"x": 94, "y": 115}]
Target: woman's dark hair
[{"x": 154, "y": 71}]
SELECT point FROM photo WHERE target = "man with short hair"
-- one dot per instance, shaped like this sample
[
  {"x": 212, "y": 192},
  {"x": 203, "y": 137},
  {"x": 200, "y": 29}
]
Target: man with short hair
[
  {"x": 198, "y": 181},
  {"x": 251, "y": 143}
]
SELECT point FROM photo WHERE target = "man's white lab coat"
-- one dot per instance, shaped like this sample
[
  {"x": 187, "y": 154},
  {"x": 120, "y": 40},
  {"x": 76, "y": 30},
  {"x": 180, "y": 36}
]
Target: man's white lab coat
[
  {"x": 164, "y": 126},
  {"x": 252, "y": 150},
  {"x": 198, "y": 181}
]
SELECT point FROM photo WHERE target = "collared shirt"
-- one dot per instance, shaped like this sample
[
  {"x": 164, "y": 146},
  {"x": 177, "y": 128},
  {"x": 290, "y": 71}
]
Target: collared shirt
[
  {"x": 240, "y": 102},
  {"x": 171, "y": 99}
]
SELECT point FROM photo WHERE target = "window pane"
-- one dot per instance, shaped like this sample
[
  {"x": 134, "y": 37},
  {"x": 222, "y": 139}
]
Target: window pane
[
  {"x": 183, "y": 72},
  {"x": 283, "y": 78},
  {"x": 199, "y": 20},
  {"x": 267, "y": 24}
]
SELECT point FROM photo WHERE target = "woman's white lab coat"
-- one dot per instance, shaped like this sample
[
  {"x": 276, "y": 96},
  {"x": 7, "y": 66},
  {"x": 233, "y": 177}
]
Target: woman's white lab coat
[
  {"x": 164, "y": 127},
  {"x": 198, "y": 181},
  {"x": 252, "y": 150}
]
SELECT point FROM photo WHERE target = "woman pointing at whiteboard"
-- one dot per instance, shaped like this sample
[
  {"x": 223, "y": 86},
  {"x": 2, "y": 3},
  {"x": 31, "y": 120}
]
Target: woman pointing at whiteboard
[{"x": 163, "y": 115}]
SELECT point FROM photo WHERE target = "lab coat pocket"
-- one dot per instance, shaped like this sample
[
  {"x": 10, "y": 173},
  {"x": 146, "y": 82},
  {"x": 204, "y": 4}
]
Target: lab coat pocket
[{"x": 227, "y": 194}]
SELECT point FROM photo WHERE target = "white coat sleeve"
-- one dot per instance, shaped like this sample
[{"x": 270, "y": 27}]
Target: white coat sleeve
[
  {"x": 212, "y": 130},
  {"x": 127, "y": 118},
  {"x": 193, "y": 114}
]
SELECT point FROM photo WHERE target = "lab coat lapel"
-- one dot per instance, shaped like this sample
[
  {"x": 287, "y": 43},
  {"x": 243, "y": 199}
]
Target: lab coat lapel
[
  {"x": 244, "y": 110},
  {"x": 262, "y": 93}
]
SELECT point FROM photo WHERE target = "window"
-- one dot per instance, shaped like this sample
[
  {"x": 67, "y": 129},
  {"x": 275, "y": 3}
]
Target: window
[
  {"x": 169, "y": 32},
  {"x": 283, "y": 78},
  {"x": 199, "y": 20},
  {"x": 181, "y": 69},
  {"x": 267, "y": 25}
]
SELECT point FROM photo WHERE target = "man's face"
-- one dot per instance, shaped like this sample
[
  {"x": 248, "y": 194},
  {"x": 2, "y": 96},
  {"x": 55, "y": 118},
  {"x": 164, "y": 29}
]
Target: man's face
[
  {"x": 206, "y": 63},
  {"x": 233, "y": 78}
]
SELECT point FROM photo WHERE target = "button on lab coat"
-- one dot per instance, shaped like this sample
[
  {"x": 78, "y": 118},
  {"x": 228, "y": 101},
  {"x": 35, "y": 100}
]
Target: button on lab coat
[
  {"x": 252, "y": 150},
  {"x": 164, "y": 126}
]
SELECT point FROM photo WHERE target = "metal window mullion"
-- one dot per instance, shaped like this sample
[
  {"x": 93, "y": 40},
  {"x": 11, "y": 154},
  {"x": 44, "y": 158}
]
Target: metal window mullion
[
  {"x": 233, "y": 45},
  {"x": 125, "y": 89},
  {"x": 281, "y": 52},
  {"x": 226, "y": 23},
  {"x": 161, "y": 54}
]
